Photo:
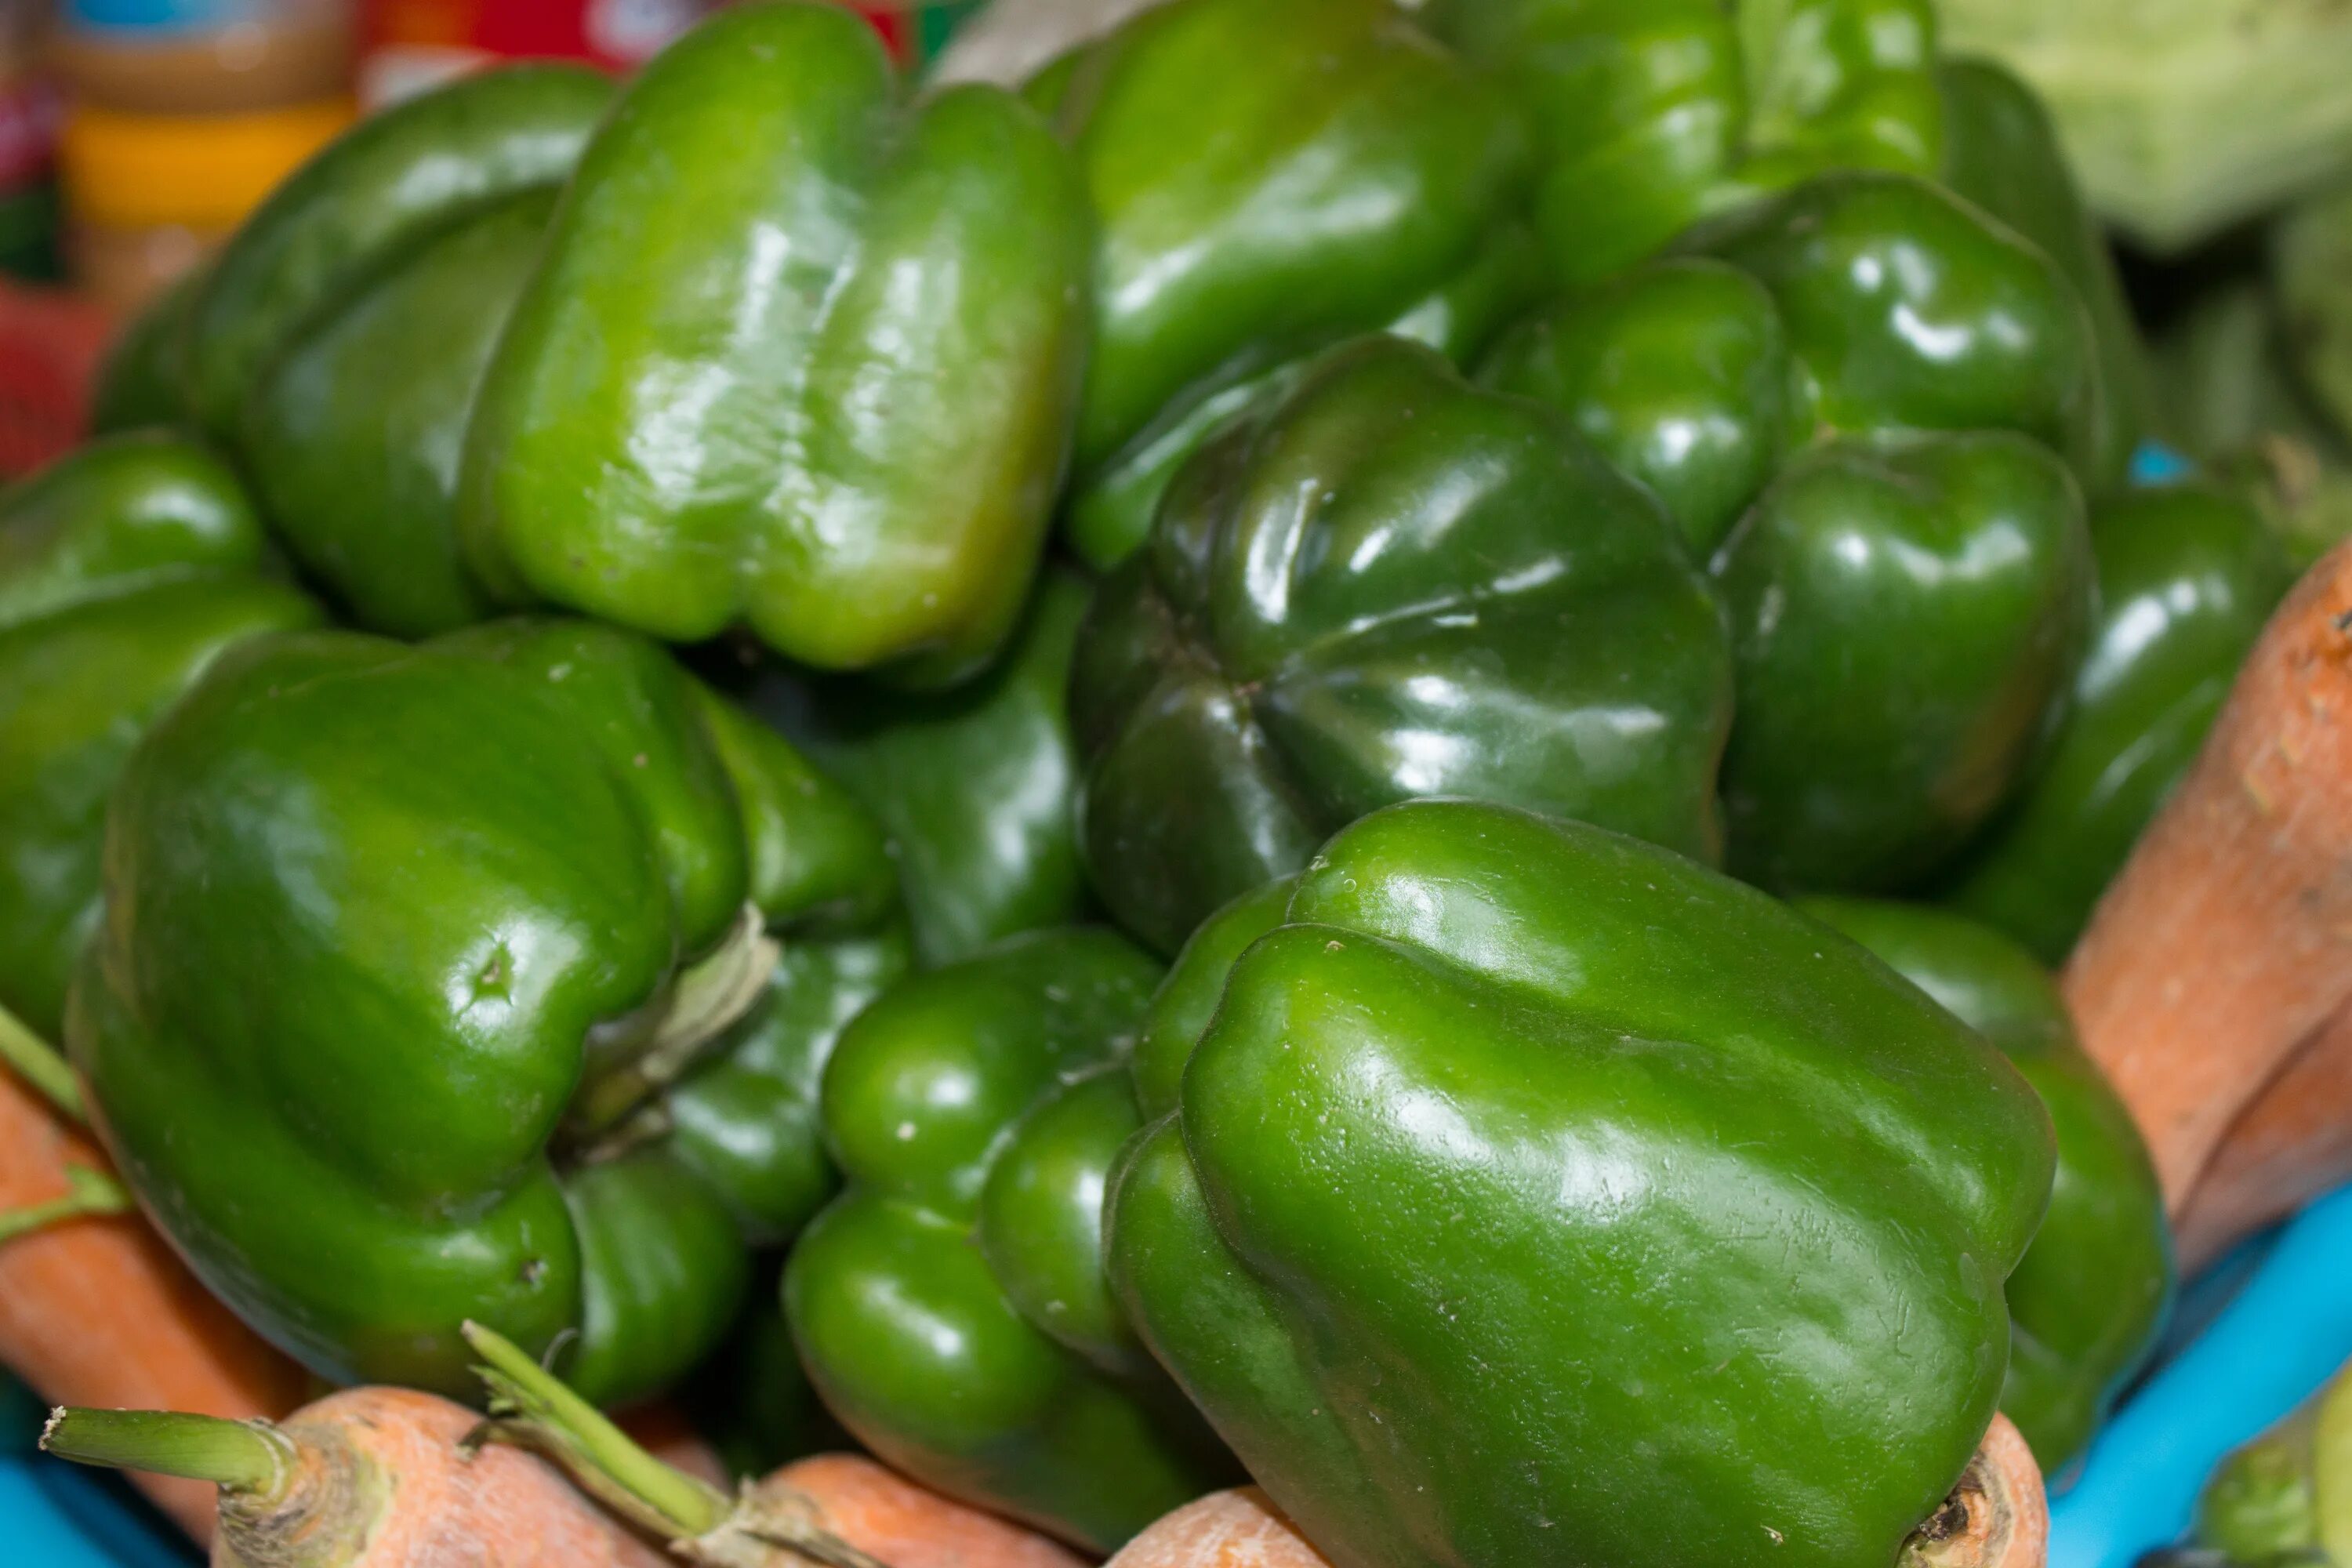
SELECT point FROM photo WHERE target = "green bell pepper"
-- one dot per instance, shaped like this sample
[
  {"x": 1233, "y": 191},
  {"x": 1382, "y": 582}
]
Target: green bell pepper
[
  {"x": 973, "y": 785},
  {"x": 1651, "y": 115},
  {"x": 1388, "y": 584},
  {"x": 1535, "y": 1194},
  {"x": 2089, "y": 1298},
  {"x": 352, "y": 434},
  {"x": 142, "y": 382},
  {"x": 1856, "y": 403},
  {"x": 2187, "y": 577},
  {"x": 125, "y": 569},
  {"x": 435, "y": 984},
  {"x": 392, "y": 183},
  {"x": 950, "y": 1305},
  {"x": 798, "y": 355},
  {"x": 2001, "y": 152},
  {"x": 2280, "y": 1501},
  {"x": 1358, "y": 177}
]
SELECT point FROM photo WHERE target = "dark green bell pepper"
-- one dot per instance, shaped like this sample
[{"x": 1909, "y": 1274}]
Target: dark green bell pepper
[
  {"x": 125, "y": 569},
  {"x": 1269, "y": 179},
  {"x": 2089, "y": 1298},
  {"x": 1858, "y": 403},
  {"x": 2001, "y": 152},
  {"x": 336, "y": 346},
  {"x": 392, "y": 183},
  {"x": 799, "y": 355},
  {"x": 1651, "y": 115},
  {"x": 2187, "y": 575},
  {"x": 352, "y": 434},
  {"x": 1534, "y": 1194},
  {"x": 1388, "y": 584},
  {"x": 142, "y": 382},
  {"x": 435, "y": 983},
  {"x": 951, "y": 1304},
  {"x": 973, "y": 785}
]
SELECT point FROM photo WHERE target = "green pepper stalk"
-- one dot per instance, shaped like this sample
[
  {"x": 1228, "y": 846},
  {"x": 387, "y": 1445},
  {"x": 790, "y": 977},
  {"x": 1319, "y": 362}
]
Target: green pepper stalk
[{"x": 766, "y": 1524}]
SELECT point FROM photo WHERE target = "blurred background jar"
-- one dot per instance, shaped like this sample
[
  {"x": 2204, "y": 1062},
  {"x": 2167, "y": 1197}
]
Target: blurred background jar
[{"x": 182, "y": 115}]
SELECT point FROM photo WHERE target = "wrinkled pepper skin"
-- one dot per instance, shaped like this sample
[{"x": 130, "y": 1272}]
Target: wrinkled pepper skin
[
  {"x": 352, "y": 434},
  {"x": 389, "y": 184},
  {"x": 405, "y": 952},
  {"x": 125, "y": 569},
  {"x": 1388, "y": 585},
  {"x": 950, "y": 1306},
  {"x": 799, "y": 355},
  {"x": 2088, "y": 1300},
  {"x": 1651, "y": 115},
  {"x": 2001, "y": 152},
  {"x": 975, "y": 786},
  {"x": 2187, "y": 577},
  {"x": 1861, "y": 404},
  {"x": 1731, "y": 1202},
  {"x": 1269, "y": 179}
]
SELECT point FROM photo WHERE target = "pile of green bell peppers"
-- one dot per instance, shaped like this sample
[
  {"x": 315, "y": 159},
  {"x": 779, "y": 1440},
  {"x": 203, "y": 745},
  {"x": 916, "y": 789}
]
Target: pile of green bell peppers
[{"x": 555, "y": 765}]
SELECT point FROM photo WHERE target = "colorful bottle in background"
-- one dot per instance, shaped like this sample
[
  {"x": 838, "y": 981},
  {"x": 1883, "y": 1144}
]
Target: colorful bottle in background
[
  {"x": 28, "y": 138},
  {"x": 182, "y": 115}
]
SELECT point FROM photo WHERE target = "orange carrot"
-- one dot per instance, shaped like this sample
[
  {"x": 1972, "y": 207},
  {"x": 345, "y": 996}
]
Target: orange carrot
[
  {"x": 367, "y": 1477},
  {"x": 889, "y": 1518},
  {"x": 95, "y": 1310},
  {"x": 835, "y": 1509},
  {"x": 2291, "y": 1144},
  {"x": 1997, "y": 1517},
  {"x": 2226, "y": 940}
]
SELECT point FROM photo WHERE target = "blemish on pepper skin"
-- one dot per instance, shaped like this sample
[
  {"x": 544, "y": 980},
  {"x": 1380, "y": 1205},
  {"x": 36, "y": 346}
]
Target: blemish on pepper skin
[{"x": 534, "y": 1269}]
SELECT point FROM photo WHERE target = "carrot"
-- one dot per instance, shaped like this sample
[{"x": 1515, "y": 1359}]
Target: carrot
[
  {"x": 366, "y": 1478},
  {"x": 1997, "y": 1517},
  {"x": 1236, "y": 1528},
  {"x": 96, "y": 1310},
  {"x": 892, "y": 1519},
  {"x": 662, "y": 1430},
  {"x": 2291, "y": 1144},
  {"x": 836, "y": 1510},
  {"x": 2226, "y": 940}
]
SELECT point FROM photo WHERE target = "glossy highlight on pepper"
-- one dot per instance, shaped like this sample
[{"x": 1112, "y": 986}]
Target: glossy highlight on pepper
[
  {"x": 483, "y": 978},
  {"x": 1533, "y": 1194}
]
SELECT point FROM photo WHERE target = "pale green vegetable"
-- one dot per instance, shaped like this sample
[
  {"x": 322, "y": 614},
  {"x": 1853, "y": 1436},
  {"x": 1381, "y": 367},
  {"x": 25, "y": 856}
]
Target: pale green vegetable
[{"x": 2182, "y": 116}]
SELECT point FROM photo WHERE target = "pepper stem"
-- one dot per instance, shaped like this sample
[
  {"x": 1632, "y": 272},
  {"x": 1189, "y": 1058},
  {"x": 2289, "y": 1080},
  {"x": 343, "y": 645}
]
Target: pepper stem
[
  {"x": 706, "y": 1000},
  {"x": 247, "y": 1457},
  {"x": 37, "y": 1061},
  {"x": 531, "y": 1407},
  {"x": 88, "y": 1192}
]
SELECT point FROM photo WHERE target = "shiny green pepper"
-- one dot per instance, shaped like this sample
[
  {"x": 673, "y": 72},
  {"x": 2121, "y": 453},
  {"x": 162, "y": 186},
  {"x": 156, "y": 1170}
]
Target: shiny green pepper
[
  {"x": 391, "y": 183},
  {"x": 142, "y": 382},
  {"x": 435, "y": 983},
  {"x": 1269, "y": 179},
  {"x": 950, "y": 1305},
  {"x": 1535, "y": 1194},
  {"x": 1857, "y": 403},
  {"x": 352, "y": 434},
  {"x": 1388, "y": 584},
  {"x": 798, "y": 355},
  {"x": 125, "y": 569},
  {"x": 2089, "y": 1298},
  {"x": 2187, "y": 577},
  {"x": 2001, "y": 152},
  {"x": 1651, "y": 115},
  {"x": 973, "y": 785}
]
